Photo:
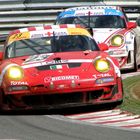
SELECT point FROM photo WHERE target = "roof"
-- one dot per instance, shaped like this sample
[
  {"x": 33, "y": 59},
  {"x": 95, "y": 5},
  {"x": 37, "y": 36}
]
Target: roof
[
  {"x": 47, "y": 31},
  {"x": 45, "y": 27},
  {"x": 94, "y": 10}
]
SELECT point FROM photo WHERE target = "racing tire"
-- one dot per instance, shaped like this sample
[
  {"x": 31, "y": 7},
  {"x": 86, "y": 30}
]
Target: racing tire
[{"x": 3, "y": 105}]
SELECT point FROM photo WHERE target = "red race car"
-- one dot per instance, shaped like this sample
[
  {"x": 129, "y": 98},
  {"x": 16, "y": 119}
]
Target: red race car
[{"x": 56, "y": 66}]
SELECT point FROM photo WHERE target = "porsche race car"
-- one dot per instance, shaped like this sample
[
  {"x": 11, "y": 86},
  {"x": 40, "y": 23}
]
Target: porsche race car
[
  {"x": 110, "y": 25},
  {"x": 56, "y": 66}
]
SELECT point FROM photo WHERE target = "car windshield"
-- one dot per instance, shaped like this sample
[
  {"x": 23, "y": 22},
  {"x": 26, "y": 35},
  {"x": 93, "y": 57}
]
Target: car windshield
[
  {"x": 102, "y": 21},
  {"x": 50, "y": 45}
]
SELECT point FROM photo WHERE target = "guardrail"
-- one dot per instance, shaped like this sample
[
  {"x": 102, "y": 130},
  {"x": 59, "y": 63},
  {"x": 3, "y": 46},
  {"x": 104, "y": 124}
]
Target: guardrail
[{"x": 23, "y": 13}]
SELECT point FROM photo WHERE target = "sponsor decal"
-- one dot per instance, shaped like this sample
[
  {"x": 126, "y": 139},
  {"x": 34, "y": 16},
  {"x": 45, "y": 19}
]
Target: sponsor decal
[
  {"x": 37, "y": 35},
  {"x": 61, "y": 78},
  {"x": 41, "y": 62},
  {"x": 97, "y": 12},
  {"x": 96, "y": 76},
  {"x": 13, "y": 83},
  {"x": 113, "y": 12},
  {"x": 118, "y": 52},
  {"x": 58, "y": 61},
  {"x": 67, "y": 13},
  {"x": 49, "y": 34},
  {"x": 104, "y": 80},
  {"x": 59, "y": 33},
  {"x": 72, "y": 77},
  {"x": 78, "y": 31},
  {"x": 19, "y": 36},
  {"x": 128, "y": 42},
  {"x": 80, "y": 14},
  {"x": 56, "y": 67}
]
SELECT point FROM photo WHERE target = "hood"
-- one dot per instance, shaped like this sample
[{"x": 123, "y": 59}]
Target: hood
[
  {"x": 101, "y": 35},
  {"x": 59, "y": 66}
]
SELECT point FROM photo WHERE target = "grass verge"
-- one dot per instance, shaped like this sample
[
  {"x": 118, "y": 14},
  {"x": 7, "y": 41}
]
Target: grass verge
[{"x": 131, "y": 102}]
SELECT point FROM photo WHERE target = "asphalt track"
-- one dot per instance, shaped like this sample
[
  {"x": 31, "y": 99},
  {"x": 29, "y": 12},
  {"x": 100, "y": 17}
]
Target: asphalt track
[{"x": 55, "y": 126}]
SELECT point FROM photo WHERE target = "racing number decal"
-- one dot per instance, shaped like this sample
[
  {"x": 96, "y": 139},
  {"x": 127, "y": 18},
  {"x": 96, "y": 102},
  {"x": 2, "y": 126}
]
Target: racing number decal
[
  {"x": 36, "y": 58},
  {"x": 19, "y": 36}
]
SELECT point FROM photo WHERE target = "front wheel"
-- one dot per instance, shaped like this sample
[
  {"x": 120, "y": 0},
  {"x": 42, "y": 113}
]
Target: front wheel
[{"x": 3, "y": 105}]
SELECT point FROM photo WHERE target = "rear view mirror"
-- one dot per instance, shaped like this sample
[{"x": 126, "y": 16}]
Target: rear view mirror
[
  {"x": 131, "y": 25},
  {"x": 103, "y": 46}
]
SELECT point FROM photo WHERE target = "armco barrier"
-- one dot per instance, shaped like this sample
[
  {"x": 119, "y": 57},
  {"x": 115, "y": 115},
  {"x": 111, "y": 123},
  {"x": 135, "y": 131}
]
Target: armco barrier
[{"x": 23, "y": 13}]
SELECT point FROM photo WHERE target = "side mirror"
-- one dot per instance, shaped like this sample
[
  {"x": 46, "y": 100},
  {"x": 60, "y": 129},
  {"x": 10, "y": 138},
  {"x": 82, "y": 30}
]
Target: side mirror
[
  {"x": 1, "y": 56},
  {"x": 131, "y": 25},
  {"x": 103, "y": 46}
]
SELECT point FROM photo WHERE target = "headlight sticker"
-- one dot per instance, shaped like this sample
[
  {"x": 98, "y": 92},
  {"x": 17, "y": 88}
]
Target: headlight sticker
[
  {"x": 117, "y": 40},
  {"x": 102, "y": 65},
  {"x": 4, "y": 71},
  {"x": 15, "y": 72}
]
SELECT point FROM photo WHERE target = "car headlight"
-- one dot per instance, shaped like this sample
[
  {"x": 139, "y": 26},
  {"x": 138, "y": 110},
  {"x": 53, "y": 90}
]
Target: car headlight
[
  {"x": 117, "y": 40},
  {"x": 102, "y": 65},
  {"x": 15, "y": 73}
]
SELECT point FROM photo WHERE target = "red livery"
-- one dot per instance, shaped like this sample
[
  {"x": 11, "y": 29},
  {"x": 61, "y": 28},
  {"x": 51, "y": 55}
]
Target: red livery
[{"x": 56, "y": 66}]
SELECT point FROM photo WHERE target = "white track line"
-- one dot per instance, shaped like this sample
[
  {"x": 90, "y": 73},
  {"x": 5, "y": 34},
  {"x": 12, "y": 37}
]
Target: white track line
[
  {"x": 122, "y": 119},
  {"x": 106, "y": 118},
  {"x": 127, "y": 123},
  {"x": 114, "y": 117},
  {"x": 100, "y": 113}
]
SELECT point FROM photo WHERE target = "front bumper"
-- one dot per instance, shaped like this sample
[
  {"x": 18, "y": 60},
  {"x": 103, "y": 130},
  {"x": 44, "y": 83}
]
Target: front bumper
[
  {"x": 126, "y": 60},
  {"x": 37, "y": 97}
]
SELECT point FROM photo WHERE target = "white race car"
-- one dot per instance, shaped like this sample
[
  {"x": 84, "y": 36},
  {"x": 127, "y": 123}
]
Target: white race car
[{"x": 110, "y": 25}]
